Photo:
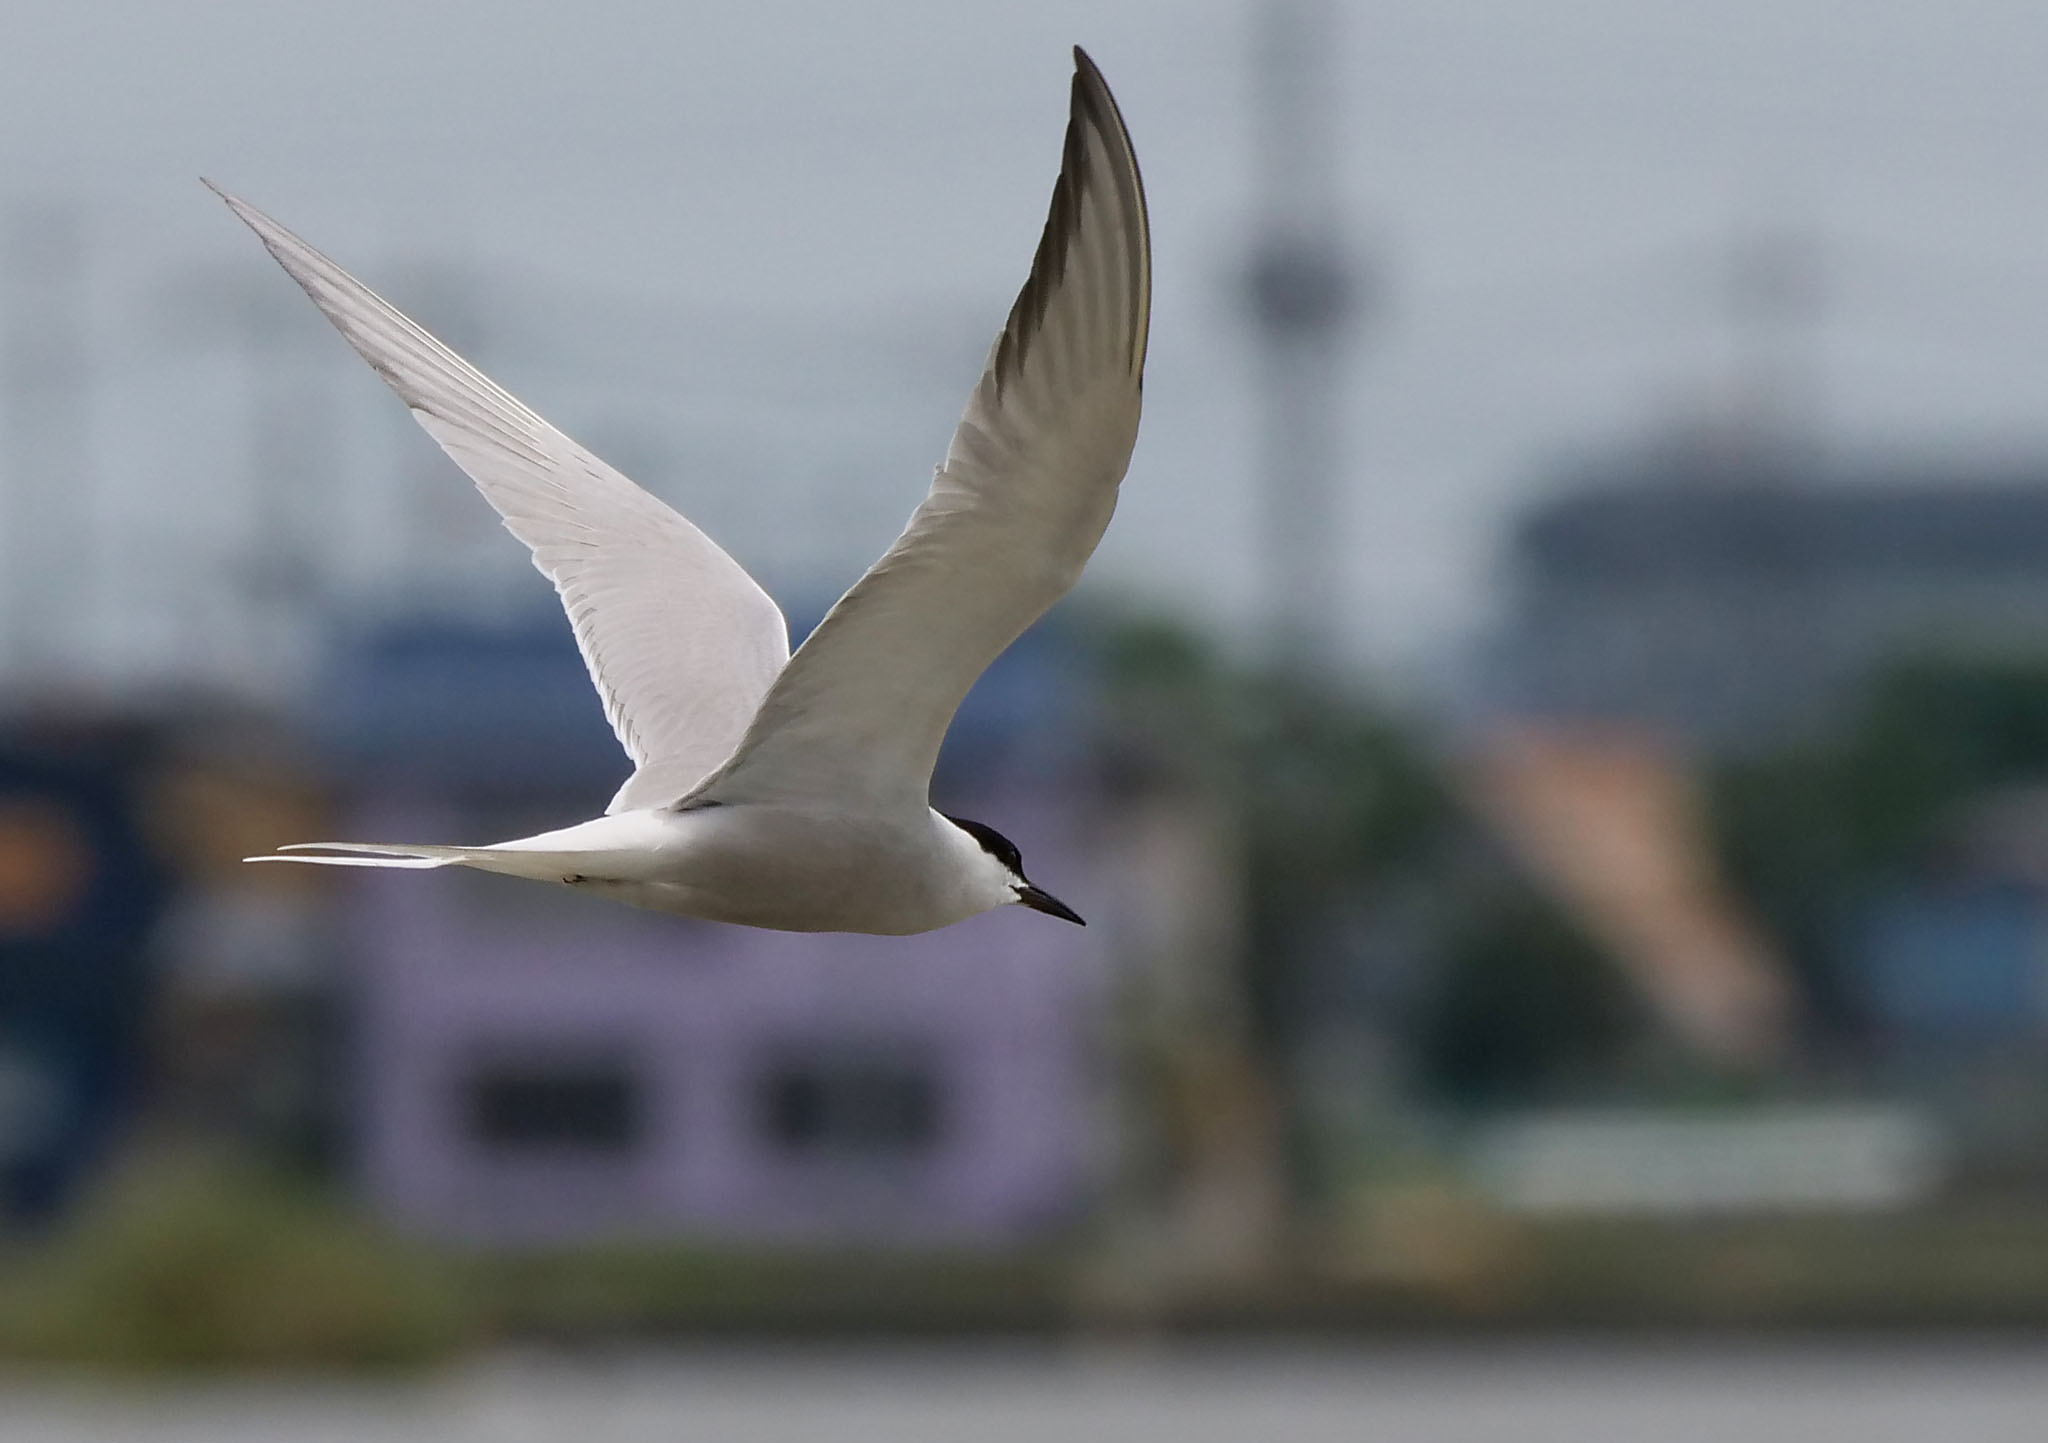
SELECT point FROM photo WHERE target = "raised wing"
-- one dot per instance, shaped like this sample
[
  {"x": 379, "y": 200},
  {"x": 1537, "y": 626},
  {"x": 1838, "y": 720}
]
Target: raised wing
[
  {"x": 680, "y": 641},
  {"x": 1027, "y": 489}
]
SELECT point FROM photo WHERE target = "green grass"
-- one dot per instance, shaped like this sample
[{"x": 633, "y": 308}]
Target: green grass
[
  {"x": 185, "y": 1264},
  {"x": 203, "y": 1264}
]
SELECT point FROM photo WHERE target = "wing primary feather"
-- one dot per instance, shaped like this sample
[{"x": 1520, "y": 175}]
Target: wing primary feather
[
  {"x": 1028, "y": 485},
  {"x": 680, "y": 642},
  {"x": 1092, "y": 109}
]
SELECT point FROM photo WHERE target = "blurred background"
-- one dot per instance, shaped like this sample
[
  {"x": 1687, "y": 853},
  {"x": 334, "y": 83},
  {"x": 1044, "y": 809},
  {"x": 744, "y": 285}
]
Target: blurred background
[{"x": 1553, "y": 750}]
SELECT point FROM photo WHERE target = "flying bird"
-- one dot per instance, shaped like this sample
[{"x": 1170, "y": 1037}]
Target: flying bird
[{"x": 793, "y": 792}]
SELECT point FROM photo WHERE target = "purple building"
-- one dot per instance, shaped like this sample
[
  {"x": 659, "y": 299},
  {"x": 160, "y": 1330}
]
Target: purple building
[{"x": 539, "y": 1066}]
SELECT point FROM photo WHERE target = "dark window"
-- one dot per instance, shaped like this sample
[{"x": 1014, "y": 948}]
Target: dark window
[
  {"x": 594, "y": 1106},
  {"x": 869, "y": 1105}
]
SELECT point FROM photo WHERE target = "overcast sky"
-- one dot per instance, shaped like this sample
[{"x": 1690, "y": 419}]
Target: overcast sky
[{"x": 1547, "y": 190}]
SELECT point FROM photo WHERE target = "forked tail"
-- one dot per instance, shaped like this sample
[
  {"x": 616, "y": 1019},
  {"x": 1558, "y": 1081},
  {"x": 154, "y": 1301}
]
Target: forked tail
[
  {"x": 368, "y": 854},
  {"x": 595, "y": 848},
  {"x": 508, "y": 859}
]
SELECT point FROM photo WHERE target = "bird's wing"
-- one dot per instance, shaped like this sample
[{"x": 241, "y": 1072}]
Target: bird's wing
[
  {"x": 1014, "y": 513},
  {"x": 680, "y": 641}
]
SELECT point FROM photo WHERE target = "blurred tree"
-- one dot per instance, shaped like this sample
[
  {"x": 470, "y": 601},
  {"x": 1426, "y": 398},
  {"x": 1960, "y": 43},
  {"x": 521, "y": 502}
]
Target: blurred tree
[
  {"x": 1358, "y": 857},
  {"x": 1526, "y": 1004},
  {"x": 1809, "y": 830},
  {"x": 1328, "y": 791},
  {"x": 1338, "y": 804}
]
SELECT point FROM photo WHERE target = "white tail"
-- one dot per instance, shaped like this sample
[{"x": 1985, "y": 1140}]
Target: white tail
[
  {"x": 594, "y": 848},
  {"x": 365, "y": 854},
  {"x": 509, "y": 859}
]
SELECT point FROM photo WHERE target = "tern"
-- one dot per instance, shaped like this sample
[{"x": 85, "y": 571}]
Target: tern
[{"x": 793, "y": 792}]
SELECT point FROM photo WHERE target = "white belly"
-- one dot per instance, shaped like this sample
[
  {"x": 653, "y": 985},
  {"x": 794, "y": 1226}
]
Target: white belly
[{"x": 759, "y": 866}]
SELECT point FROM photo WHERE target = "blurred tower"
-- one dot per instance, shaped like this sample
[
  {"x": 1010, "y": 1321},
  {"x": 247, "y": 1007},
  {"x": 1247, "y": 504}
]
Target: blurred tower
[
  {"x": 47, "y": 560},
  {"x": 1303, "y": 292},
  {"x": 1776, "y": 295}
]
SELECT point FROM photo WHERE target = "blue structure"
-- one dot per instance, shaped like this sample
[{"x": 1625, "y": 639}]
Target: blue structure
[
  {"x": 1964, "y": 961},
  {"x": 508, "y": 709},
  {"x": 1740, "y": 611},
  {"x": 79, "y": 896}
]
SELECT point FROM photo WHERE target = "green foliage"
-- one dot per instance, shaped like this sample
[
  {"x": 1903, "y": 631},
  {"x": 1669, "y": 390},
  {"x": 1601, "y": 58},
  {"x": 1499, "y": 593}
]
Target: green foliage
[
  {"x": 1342, "y": 810},
  {"x": 672, "y": 1287},
  {"x": 1527, "y": 1005},
  {"x": 1808, "y": 831},
  {"x": 1327, "y": 783},
  {"x": 1336, "y": 787},
  {"x": 192, "y": 1263},
  {"x": 1331, "y": 794}
]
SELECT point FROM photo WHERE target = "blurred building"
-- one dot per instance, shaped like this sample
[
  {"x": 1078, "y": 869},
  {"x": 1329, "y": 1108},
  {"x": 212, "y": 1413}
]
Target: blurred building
[
  {"x": 1710, "y": 608},
  {"x": 537, "y": 1066},
  {"x": 245, "y": 1017},
  {"x": 1959, "y": 961},
  {"x": 80, "y": 891},
  {"x": 1948, "y": 968},
  {"x": 1733, "y": 607}
]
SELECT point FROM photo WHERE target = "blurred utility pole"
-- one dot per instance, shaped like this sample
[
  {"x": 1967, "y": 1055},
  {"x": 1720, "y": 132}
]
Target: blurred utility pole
[
  {"x": 48, "y": 560},
  {"x": 1303, "y": 291},
  {"x": 1776, "y": 294}
]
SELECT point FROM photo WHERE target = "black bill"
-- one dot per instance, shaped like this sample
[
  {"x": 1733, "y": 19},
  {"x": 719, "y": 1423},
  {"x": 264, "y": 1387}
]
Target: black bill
[{"x": 1039, "y": 900}]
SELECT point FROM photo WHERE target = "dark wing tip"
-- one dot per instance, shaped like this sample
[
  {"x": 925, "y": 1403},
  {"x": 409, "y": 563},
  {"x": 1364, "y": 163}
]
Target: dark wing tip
[
  {"x": 1091, "y": 87},
  {"x": 1092, "y": 96},
  {"x": 1091, "y": 107}
]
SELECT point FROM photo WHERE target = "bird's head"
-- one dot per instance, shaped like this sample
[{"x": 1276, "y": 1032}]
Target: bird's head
[{"x": 1006, "y": 868}]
